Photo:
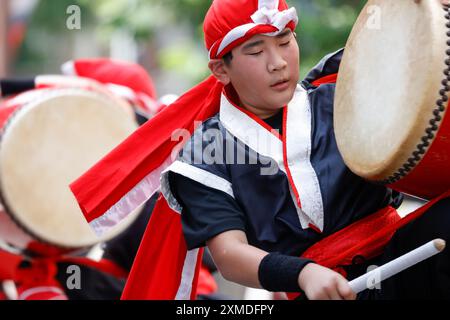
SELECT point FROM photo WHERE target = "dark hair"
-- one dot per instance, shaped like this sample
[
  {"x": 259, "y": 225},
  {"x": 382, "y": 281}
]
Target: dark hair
[{"x": 227, "y": 58}]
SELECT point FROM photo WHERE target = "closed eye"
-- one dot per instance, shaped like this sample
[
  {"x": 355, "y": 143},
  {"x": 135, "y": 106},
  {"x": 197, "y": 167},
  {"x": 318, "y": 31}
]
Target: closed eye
[
  {"x": 285, "y": 44},
  {"x": 255, "y": 54}
]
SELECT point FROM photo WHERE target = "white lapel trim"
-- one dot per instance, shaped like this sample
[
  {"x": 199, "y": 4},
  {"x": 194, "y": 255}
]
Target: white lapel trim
[
  {"x": 250, "y": 132},
  {"x": 259, "y": 139},
  {"x": 298, "y": 149}
]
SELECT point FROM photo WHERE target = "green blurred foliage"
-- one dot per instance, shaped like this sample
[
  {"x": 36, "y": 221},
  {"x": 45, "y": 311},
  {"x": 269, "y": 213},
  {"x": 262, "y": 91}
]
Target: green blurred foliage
[
  {"x": 45, "y": 34},
  {"x": 324, "y": 27}
]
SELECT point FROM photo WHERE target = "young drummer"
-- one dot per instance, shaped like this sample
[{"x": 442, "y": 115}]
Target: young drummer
[{"x": 260, "y": 181}]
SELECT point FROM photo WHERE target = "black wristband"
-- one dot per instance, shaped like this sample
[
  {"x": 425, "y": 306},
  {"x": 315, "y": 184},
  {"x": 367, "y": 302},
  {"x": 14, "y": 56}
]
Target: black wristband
[
  {"x": 14, "y": 86},
  {"x": 278, "y": 272}
]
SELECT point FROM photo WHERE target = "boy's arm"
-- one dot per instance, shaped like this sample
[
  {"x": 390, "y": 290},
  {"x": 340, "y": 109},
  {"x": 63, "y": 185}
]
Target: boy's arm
[
  {"x": 239, "y": 262},
  {"x": 236, "y": 260}
]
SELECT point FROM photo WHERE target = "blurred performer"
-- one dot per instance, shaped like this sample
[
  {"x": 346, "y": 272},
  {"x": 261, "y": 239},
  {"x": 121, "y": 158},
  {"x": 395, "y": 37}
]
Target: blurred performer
[
  {"x": 49, "y": 123},
  {"x": 102, "y": 279}
]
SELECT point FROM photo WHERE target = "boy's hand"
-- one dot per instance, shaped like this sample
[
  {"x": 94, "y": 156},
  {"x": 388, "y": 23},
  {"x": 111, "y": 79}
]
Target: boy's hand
[{"x": 320, "y": 283}]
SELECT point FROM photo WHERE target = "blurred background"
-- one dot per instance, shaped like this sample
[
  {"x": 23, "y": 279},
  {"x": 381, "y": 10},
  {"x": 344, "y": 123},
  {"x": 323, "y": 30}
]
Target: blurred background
[{"x": 164, "y": 36}]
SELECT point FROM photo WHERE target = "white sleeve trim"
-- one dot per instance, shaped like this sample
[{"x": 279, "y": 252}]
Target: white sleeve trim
[
  {"x": 199, "y": 175},
  {"x": 129, "y": 202},
  {"x": 187, "y": 275}
]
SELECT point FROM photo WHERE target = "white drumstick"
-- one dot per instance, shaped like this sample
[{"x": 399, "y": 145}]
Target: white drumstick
[{"x": 374, "y": 277}]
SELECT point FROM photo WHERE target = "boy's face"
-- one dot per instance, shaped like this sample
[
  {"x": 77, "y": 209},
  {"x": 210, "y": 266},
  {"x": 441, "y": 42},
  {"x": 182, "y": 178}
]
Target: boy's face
[{"x": 264, "y": 71}]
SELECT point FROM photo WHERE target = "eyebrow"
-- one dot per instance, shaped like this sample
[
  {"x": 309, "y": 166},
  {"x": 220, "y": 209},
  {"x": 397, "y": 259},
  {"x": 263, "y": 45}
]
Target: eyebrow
[
  {"x": 259, "y": 42},
  {"x": 253, "y": 44},
  {"x": 284, "y": 34}
]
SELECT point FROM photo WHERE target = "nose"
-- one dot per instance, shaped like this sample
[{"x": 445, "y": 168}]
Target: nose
[{"x": 276, "y": 62}]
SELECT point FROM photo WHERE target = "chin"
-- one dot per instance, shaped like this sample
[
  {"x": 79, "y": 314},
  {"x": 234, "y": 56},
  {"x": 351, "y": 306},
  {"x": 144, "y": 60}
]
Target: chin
[{"x": 286, "y": 97}]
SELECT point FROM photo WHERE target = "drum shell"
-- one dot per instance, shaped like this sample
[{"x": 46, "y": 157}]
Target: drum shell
[{"x": 431, "y": 176}]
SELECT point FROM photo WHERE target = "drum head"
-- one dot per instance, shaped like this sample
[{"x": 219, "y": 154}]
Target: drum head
[
  {"x": 46, "y": 145},
  {"x": 389, "y": 83}
]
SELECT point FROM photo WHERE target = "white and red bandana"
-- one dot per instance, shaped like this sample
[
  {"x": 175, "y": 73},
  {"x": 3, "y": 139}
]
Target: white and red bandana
[{"x": 229, "y": 23}]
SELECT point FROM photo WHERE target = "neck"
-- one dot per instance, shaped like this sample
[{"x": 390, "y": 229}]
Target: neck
[
  {"x": 257, "y": 111},
  {"x": 260, "y": 112}
]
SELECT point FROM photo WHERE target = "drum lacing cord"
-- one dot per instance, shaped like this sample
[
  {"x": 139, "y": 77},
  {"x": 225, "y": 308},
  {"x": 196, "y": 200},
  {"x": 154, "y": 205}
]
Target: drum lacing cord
[{"x": 441, "y": 104}]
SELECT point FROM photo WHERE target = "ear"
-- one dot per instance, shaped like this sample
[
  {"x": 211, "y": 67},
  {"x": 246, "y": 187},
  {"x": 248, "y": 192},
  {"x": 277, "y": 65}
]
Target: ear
[{"x": 219, "y": 70}]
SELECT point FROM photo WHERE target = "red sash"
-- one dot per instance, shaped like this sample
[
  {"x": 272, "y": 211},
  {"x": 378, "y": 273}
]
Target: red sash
[{"x": 366, "y": 237}]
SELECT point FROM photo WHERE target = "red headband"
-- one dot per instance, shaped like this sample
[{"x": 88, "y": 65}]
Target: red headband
[{"x": 229, "y": 23}]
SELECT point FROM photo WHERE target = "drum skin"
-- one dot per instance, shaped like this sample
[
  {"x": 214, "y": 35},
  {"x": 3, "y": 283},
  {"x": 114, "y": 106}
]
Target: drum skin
[
  {"x": 391, "y": 120},
  {"x": 49, "y": 137}
]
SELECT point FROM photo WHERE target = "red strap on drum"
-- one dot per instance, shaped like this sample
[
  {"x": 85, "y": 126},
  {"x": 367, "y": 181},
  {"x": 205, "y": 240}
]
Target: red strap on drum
[
  {"x": 9, "y": 264},
  {"x": 41, "y": 272}
]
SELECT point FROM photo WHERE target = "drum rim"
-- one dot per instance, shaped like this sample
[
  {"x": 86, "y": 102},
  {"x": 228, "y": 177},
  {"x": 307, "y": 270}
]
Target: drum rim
[
  {"x": 54, "y": 92},
  {"x": 401, "y": 169}
]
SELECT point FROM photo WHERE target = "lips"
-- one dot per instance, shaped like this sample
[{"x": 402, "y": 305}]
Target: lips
[
  {"x": 281, "y": 85},
  {"x": 280, "y": 82}
]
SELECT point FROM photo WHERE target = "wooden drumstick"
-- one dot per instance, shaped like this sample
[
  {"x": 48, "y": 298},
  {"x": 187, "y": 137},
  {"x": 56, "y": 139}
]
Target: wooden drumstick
[{"x": 374, "y": 277}]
